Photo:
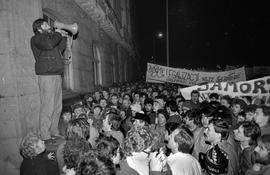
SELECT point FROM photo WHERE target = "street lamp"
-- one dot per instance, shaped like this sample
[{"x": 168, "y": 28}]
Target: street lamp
[{"x": 158, "y": 35}]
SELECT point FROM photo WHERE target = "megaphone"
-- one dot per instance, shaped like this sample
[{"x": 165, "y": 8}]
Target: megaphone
[{"x": 73, "y": 28}]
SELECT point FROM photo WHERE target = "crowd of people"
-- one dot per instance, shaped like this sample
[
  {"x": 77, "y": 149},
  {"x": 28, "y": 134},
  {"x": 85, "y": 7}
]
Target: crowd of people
[{"x": 140, "y": 128}]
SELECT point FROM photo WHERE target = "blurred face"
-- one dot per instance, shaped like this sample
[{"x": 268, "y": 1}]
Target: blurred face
[
  {"x": 97, "y": 95},
  {"x": 210, "y": 134},
  {"x": 114, "y": 100},
  {"x": 171, "y": 143},
  {"x": 67, "y": 116},
  {"x": 239, "y": 134},
  {"x": 195, "y": 97},
  {"x": 154, "y": 94},
  {"x": 39, "y": 146},
  {"x": 250, "y": 116},
  {"x": 156, "y": 106},
  {"x": 189, "y": 122},
  {"x": 97, "y": 111},
  {"x": 205, "y": 120},
  {"x": 142, "y": 98},
  {"x": 78, "y": 111},
  {"x": 225, "y": 103},
  {"x": 45, "y": 27},
  {"x": 148, "y": 107},
  {"x": 136, "y": 97},
  {"x": 260, "y": 118},
  {"x": 103, "y": 103},
  {"x": 123, "y": 114},
  {"x": 105, "y": 94},
  {"x": 90, "y": 99},
  {"x": 236, "y": 108},
  {"x": 126, "y": 103},
  {"x": 161, "y": 119}
]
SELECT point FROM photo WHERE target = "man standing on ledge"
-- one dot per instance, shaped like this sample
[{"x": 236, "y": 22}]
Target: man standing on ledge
[{"x": 48, "y": 46}]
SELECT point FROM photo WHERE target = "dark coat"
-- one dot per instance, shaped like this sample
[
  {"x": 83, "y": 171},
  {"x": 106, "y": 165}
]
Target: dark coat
[
  {"x": 39, "y": 165},
  {"x": 47, "y": 49}
]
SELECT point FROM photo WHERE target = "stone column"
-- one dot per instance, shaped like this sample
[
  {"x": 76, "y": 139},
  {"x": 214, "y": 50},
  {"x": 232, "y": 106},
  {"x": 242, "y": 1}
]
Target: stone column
[{"x": 19, "y": 97}]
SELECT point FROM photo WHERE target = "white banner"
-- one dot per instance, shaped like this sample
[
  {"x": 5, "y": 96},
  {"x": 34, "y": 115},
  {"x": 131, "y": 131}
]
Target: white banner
[
  {"x": 257, "y": 88},
  {"x": 157, "y": 73}
]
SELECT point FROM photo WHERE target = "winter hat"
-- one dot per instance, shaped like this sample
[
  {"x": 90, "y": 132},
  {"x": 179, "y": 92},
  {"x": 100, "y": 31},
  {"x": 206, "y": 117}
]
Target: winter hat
[
  {"x": 216, "y": 161},
  {"x": 143, "y": 117}
]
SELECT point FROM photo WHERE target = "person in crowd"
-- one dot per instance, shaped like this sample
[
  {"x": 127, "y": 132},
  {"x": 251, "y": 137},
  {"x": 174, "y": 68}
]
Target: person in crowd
[
  {"x": 97, "y": 96},
  {"x": 262, "y": 165},
  {"x": 140, "y": 120},
  {"x": 250, "y": 112},
  {"x": 172, "y": 110},
  {"x": 76, "y": 129},
  {"x": 105, "y": 93},
  {"x": 36, "y": 160},
  {"x": 247, "y": 134},
  {"x": 238, "y": 106},
  {"x": 48, "y": 46},
  {"x": 89, "y": 100},
  {"x": 214, "y": 97},
  {"x": 103, "y": 103},
  {"x": 217, "y": 133},
  {"x": 95, "y": 164},
  {"x": 226, "y": 100},
  {"x": 136, "y": 97},
  {"x": 114, "y": 103},
  {"x": 181, "y": 161},
  {"x": 262, "y": 118},
  {"x": 72, "y": 150},
  {"x": 111, "y": 126},
  {"x": 109, "y": 147},
  {"x": 155, "y": 93},
  {"x": 148, "y": 110},
  {"x": 215, "y": 161},
  {"x": 136, "y": 149},
  {"x": 143, "y": 97},
  {"x": 195, "y": 96},
  {"x": 193, "y": 121},
  {"x": 78, "y": 109}
]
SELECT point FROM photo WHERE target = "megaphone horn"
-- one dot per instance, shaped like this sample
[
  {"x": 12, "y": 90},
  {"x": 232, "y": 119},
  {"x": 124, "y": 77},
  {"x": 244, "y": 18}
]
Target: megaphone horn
[{"x": 73, "y": 28}]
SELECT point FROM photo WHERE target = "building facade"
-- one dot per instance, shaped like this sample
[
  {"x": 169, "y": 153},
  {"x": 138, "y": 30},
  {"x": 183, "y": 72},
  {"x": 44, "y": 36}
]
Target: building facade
[{"x": 102, "y": 52}]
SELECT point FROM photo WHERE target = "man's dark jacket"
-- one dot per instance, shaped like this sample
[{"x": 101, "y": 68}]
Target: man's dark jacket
[{"x": 47, "y": 49}]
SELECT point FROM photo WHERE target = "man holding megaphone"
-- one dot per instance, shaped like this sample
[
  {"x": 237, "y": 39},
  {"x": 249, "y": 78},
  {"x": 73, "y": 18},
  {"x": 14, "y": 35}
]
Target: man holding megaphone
[{"x": 48, "y": 45}]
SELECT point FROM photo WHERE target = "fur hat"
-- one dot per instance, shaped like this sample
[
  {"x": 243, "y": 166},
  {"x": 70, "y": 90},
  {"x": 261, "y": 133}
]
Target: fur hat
[{"x": 216, "y": 161}]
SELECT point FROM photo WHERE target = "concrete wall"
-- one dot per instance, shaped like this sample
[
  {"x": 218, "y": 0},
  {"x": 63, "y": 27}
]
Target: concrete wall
[{"x": 19, "y": 98}]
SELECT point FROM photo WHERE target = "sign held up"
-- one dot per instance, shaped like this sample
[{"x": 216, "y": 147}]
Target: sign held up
[
  {"x": 157, "y": 73},
  {"x": 257, "y": 89}
]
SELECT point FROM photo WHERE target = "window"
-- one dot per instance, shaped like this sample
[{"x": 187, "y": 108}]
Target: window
[{"x": 67, "y": 76}]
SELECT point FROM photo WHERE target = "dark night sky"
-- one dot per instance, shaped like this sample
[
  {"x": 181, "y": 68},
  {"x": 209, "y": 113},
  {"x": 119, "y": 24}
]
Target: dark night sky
[{"x": 205, "y": 33}]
